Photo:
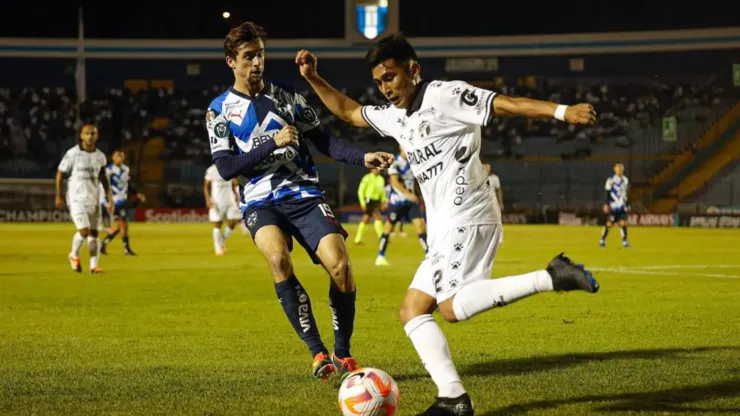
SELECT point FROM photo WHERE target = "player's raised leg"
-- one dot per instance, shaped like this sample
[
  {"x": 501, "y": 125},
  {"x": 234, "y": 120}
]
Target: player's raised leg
[{"x": 274, "y": 246}]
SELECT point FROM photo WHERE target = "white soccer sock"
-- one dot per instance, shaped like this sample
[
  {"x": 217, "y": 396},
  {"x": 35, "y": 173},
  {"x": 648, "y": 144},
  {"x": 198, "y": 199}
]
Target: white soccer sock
[
  {"x": 487, "y": 294},
  {"x": 77, "y": 241},
  {"x": 93, "y": 244},
  {"x": 431, "y": 345},
  {"x": 227, "y": 232},
  {"x": 217, "y": 239}
]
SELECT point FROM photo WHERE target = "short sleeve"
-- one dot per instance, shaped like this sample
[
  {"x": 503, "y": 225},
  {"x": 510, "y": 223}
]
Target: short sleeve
[
  {"x": 66, "y": 164},
  {"x": 305, "y": 117},
  {"x": 376, "y": 117},
  {"x": 465, "y": 103},
  {"x": 219, "y": 132}
]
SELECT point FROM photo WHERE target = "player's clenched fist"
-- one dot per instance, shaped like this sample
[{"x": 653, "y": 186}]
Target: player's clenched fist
[
  {"x": 580, "y": 114},
  {"x": 287, "y": 136},
  {"x": 307, "y": 63},
  {"x": 379, "y": 160}
]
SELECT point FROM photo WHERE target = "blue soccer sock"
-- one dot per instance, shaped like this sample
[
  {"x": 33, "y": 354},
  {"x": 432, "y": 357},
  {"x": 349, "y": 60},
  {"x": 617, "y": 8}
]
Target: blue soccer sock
[
  {"x": 343, "y": 319},
  {"x": 423, "y": 242},
  {"x": 383, "y": 244},
  {"x": 297, "y": 307}
]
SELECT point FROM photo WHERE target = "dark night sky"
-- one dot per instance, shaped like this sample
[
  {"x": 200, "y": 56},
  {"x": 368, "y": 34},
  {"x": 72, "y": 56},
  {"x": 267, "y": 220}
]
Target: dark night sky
[{"x": 296, "y": 19}]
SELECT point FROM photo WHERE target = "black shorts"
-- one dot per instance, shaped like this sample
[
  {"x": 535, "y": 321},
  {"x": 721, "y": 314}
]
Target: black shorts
[
  {"x": 616, "y": 216},
  {"x": 371, "y": 206},
  {"x": 404, "y": 212},
  {"x": 307, "y": 220}
]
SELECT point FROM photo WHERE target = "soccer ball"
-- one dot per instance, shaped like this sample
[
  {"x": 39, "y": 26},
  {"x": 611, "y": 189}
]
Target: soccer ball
[{"x": 368, "y": 392}]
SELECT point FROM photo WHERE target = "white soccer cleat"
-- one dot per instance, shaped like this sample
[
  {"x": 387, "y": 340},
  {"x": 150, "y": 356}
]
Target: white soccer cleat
[
  {"x": 381, "y": 261},
  {"x": 74, "y": 263}
]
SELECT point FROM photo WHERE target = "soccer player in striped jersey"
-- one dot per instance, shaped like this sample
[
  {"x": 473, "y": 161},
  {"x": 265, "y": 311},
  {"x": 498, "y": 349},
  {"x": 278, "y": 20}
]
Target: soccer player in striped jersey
[
  {"x": 615, "y": 207},
  {"x": 122, "y": 189},
  {"x": 259, "y": 132},
  {"x": 404, "y": 204}
]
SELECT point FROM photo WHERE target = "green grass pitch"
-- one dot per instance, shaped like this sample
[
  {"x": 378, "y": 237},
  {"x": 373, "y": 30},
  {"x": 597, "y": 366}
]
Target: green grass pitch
[{"x": 178, "y": 331}]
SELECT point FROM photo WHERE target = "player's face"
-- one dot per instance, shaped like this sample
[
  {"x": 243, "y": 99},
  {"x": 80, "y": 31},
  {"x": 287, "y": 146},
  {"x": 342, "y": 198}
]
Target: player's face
[
  {"x": 88, "y": 137},
  {"x": 397, "y": 82},
  {"x": 618, "y": 169},
  {"x": 249, "y": 64},
  {"x": 118, "y": 158}
]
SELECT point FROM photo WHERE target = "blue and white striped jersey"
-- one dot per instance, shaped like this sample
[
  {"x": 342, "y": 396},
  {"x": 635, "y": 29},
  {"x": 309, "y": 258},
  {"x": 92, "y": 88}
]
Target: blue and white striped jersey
[
  {"x": 237, "y": 123},
  {"x": 616, "y": 188},
  {"x": 120, "y": 179},
  {"x": 402, "y": 168}
]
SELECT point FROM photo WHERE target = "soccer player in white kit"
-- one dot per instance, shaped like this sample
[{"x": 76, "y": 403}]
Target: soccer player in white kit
[
  {"x": 438, "y": 124},
  {"x": 222, "y": 199},
  {"x": 84, "y": 166}
]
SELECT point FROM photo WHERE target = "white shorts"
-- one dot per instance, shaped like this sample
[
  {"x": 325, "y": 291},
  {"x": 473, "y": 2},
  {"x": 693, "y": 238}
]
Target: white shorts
[
  {"x": 223, "y": 212},
  {"x": 86, "y": 215},
  {"x": 458, "y": 257}
]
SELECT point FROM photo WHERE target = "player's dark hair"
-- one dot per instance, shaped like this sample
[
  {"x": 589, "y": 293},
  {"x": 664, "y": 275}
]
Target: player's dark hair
[
  {"x": 394, "y": 47},
  {"x": 85, "y": 124},
  {"x": 244, "y": 33}
]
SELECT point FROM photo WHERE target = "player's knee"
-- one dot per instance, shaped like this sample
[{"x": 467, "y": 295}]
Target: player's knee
[
  {"x": 85, "y": 232},
  {"x": 339, "y": 271},
  {"x": 447, "y": 312},
  {"x": 280, "y": 265},
  {"x": 410, "y": 310}
]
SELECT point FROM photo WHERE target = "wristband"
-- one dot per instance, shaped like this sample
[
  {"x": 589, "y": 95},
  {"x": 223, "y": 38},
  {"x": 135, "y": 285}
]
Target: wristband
[{"x": 560, "y": 112}]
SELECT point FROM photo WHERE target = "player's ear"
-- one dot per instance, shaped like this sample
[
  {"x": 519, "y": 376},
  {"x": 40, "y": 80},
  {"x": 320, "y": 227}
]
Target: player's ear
[
  {"x": 414, "y": 71},
  {"x": 231, "y": 62}
]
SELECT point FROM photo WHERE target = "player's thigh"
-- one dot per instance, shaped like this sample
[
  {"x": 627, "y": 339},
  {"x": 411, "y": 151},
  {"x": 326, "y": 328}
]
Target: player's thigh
[
  {"x": 467, "y": 255},
  {"x": 419, "y": 225},
  {"x": 314, "y": 220},
  {"x": 80, "y": 215}
]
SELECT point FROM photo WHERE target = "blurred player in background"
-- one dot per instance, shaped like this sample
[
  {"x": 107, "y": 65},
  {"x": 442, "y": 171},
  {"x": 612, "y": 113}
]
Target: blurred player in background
[
  {"x": 389, "y": 192},
  {"x": 371, "y": 194},
  {"x": 405, "y": 205},
  {"x": 120, "y": 182},
  {"x": 222, "y": 200},
  {"x": 495, "y": 183},
  {"x": 258, "y": 132},
  {"x": 84, "y": 166},
  {"x": 615, "y": 207},
  {"x": 438, "y": 123}
]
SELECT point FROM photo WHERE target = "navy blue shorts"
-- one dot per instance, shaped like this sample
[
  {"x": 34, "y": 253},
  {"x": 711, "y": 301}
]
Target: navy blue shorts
[
  {"x": 307, "y": 220},
  {"x": 400, "y": 212},
  {"x": 616, "y": 216}
]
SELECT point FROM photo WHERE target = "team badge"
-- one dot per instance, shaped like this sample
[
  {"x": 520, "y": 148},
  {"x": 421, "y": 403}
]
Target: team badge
[
  {"x": 252, "y": 219},
  {"x": 210, "y": 115},
  {"x": 221, "y": 130}
]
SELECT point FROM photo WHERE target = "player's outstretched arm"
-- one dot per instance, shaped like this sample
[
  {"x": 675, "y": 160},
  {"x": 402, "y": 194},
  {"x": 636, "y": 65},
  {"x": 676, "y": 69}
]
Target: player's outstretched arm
[
  {"x": 347, "y": 109},
  {"x": 505, "y": 106}
]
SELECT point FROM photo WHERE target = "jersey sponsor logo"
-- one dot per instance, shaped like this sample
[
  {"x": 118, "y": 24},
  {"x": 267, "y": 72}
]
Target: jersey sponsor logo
[
  {"x": 468, "y": 97},
  {"x": 462, "y": 155},
  {"x": 424, "y": 128},
  {"x": 234, "y": 111},
  {"x": 284, "y": 155},
  {"x": 430, "y": 172},
  {"x": 419, "y": 156},
  {"x": 461, "y": 186},
  {"x": 303, "y": 309}
]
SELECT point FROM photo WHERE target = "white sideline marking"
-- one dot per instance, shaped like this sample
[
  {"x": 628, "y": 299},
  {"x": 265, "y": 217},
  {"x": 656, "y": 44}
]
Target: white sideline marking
[{"x": 655, "y": 270}]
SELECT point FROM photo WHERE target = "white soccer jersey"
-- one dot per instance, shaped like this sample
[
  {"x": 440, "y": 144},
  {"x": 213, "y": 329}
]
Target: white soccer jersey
[
  {"x": 441, "y": 135},
  {"x": 617, "y": 188},
  {"x": 494, "y": 180},
  {"x": 222, "y": 191},
  {"x": 83, "y": 170},
  {"x": 402, "y": 168}
]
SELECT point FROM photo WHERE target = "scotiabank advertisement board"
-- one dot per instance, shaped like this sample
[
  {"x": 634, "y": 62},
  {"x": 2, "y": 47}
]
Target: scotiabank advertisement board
[{"x": 170, "y": 215}]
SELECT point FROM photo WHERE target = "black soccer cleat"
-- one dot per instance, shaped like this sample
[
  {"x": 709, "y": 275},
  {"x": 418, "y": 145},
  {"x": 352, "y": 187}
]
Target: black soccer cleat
[
  {"x": 103, "y": 249},
  {"x": 444, "y": 406},
  {"x": 567, "y": 276},
  {"x": 128, "y": 252}
]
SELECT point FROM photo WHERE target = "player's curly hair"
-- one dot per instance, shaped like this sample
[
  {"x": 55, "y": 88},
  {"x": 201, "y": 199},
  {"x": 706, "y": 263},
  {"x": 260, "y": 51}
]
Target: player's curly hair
[
  {"x": 395, "y": 47},
  {"x": 244, "y": 33}
]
